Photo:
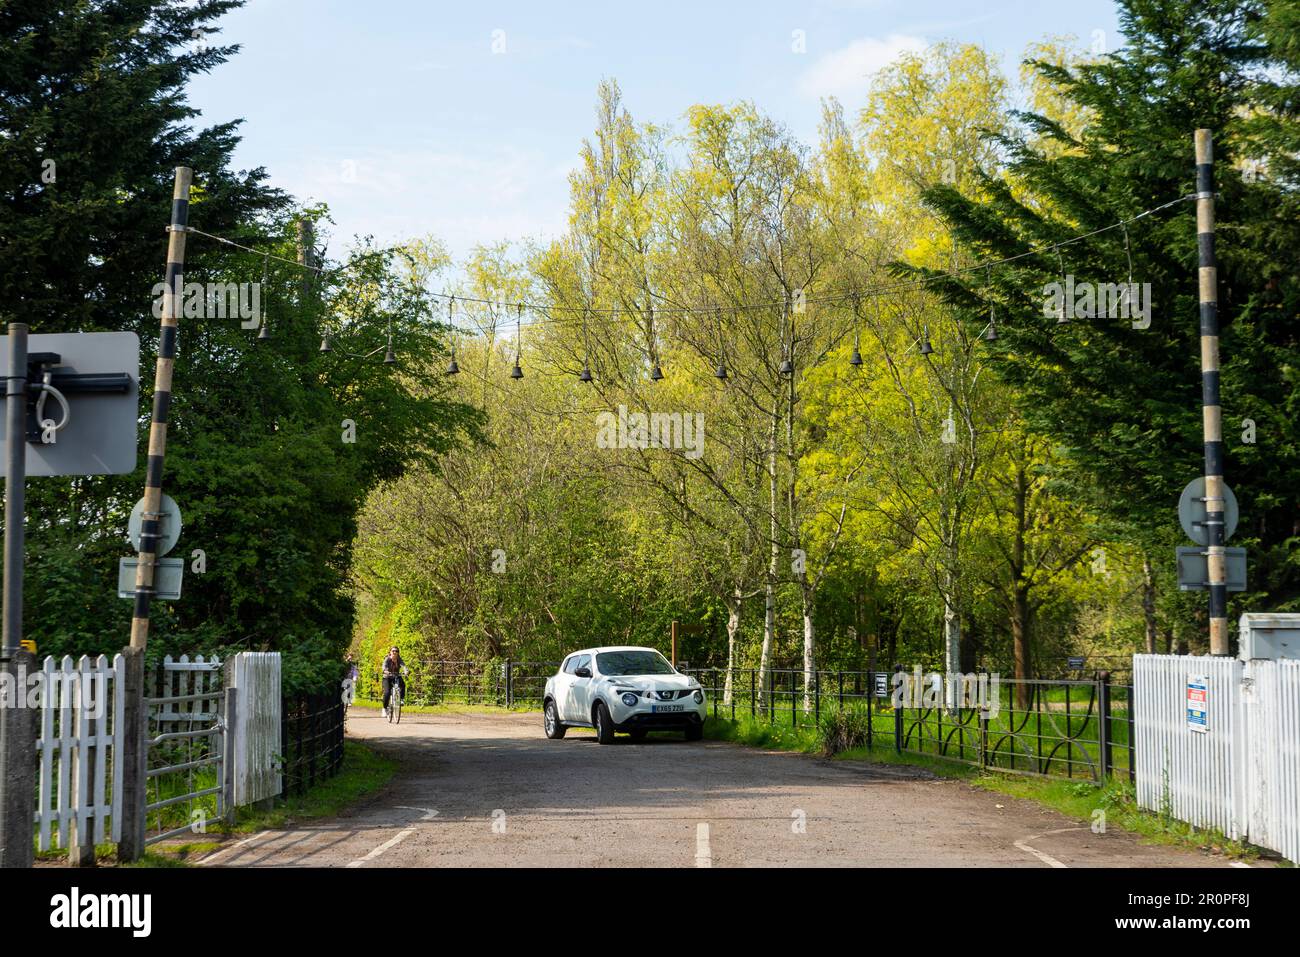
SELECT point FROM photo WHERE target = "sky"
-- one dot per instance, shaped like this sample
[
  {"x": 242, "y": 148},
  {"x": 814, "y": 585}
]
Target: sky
[{"x": 463, "y": 120}]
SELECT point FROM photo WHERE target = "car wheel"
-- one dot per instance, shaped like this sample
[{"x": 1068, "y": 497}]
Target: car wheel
[
  {"x": 638, "y": 735},
  {"x": 695, "y": 732},
  {"x": 604, "y": 726},
  {"x": 551, "y": 722}
]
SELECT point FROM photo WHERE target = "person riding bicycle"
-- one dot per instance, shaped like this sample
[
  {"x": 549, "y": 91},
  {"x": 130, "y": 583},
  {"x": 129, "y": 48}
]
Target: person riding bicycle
[{"x": 394, "y": 668}]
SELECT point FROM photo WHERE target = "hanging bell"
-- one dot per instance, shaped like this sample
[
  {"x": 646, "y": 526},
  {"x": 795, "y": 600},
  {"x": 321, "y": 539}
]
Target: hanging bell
[
  {"x": 584, "y": 375},
  {"x": 264, "y": 333},
  {"x": 721, "y": 372},
  {"x": 787, "y": 368},
  {"x": 452, "y": 368},
  {"x": 325, "y": 343},
  {"x": 390, "y": 358},
  {"x": 656, "y": 373},
  {"x": 926, "y": 348},
  {"x": 516, "y": 372},
  {"x": 991, "y": 334},
  {"x": 856, "y": 358}
]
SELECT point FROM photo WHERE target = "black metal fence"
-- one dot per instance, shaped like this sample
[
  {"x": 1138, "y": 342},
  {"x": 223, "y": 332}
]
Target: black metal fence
[
  {"x": 1073, "y": 728},
  {"x": 311, "y": 735}
]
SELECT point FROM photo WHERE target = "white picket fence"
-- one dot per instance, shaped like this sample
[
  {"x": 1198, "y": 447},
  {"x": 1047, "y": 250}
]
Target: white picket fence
[
  {"x": 1242, "y": 774},
  {"x": 80, "y": 780}
]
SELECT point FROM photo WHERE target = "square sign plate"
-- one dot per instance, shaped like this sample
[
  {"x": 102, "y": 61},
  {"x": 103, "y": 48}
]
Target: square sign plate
[
  {"x": 103, "y": 429},
  {"x": 1194, "y": 569},
  {"x": 167, "y": 574}
]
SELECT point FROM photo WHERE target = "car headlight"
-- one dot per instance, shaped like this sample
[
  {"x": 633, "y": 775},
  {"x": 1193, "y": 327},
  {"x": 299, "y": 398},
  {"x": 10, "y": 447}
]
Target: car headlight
[
  {"x": 630, "y": 699},
  {"x": 699, "y": 696}
]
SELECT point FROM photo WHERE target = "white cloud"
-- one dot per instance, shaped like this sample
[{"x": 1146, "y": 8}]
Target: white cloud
[{"x": 846, "y": 73}]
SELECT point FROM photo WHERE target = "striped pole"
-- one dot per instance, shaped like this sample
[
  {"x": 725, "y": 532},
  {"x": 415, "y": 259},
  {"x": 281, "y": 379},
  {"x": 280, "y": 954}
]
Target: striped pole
[
  {"x": 162, "y": 397},
  {"x": 1212, "y": 413}
]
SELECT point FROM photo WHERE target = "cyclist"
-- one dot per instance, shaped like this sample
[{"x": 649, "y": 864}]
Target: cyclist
[{"x": 394, "y": 668}]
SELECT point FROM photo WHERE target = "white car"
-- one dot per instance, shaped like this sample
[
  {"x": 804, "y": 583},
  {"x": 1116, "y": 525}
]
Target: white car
[{"x": 622, "y": 688}]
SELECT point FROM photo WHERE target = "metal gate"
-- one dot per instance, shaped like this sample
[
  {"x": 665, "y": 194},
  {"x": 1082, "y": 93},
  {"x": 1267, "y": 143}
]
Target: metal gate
[{"x": 185, "y": 776}]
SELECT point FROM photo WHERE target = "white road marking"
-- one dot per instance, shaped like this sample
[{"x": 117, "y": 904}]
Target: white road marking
[
  {"x": 244, "y": 843},
  {"x": 1047, "y": 859},
  {"x": 391, "y": 842},
  {"x": 428, "y": 815},
  {"x": 703, "y": 853}
]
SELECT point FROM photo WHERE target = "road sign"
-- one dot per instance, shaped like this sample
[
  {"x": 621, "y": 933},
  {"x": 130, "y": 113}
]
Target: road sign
[
  {"x": 1075, "y": 662},
  {"x": 1192, "y": 512},
  {"x": 98, "y": 375},
  {"x": 169, "y": 525},
  {"x": 167, "y": 574},
  {"x": 1198, "y": 703},
  {"x": 1194, "y": 569},
  {"x": 881, "y": 679}
]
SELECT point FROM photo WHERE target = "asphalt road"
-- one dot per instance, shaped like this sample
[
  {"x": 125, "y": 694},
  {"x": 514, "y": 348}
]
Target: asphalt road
[{"x": 491, "y": 790}]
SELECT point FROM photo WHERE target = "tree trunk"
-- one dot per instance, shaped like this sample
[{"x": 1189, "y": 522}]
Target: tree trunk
[
  {"x": 809, "y": 638},
  {"x": 1149, "y": 603},
  {"x": 1020, "y": 641},
  {"x": 769, "y": 591},
  {"x": 733, "y": 628},
  {"x": 951, "y": 640}
]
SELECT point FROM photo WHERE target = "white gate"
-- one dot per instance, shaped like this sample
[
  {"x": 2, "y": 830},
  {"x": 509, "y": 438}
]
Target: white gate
[
  {"x": 254, "y": 680},
  {"x": 80, "y": 779}
]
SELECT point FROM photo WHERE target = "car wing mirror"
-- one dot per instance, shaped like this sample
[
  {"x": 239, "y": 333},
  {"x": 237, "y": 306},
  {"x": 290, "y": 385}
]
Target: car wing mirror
[{"x": 582, "y": 673}]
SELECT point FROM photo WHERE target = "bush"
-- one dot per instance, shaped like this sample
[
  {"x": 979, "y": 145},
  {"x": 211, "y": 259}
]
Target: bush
[{"x": 844, "y": 729}]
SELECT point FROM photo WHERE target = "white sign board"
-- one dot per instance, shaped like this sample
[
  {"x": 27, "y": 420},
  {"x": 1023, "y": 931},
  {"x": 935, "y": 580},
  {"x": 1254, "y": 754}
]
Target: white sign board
[
  {"x": 98, "y": 431},
  {"x": 1198, "y": 703}
]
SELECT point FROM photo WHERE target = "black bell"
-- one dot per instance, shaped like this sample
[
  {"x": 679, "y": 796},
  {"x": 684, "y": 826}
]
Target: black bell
[
  {"x": 856, "y": 358},
  {"x": 656, "y": 374},
  {"x": 516, "y": 372},
  {"x": 452, "y": 368},
  {"x": 325, "y": 344},
  {"x": 585, "y": 374},
  {"x": 787, "y": 368},
  {"x": 721, "y": 372}
]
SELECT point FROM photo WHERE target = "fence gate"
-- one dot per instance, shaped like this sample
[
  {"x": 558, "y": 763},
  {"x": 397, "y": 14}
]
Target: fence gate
[{"x": 186, "y": 742}]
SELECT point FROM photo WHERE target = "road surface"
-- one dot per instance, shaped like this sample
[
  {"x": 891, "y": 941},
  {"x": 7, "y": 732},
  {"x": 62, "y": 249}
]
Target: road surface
[{"x": 491, "y": 790}]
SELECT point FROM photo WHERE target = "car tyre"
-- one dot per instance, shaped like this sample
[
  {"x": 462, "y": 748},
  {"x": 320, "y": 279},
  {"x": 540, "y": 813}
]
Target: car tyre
[
  {"x": 604, "y": 724},
  {"x": 695, "y": 732},
  {"x": 551, "y": 722}
]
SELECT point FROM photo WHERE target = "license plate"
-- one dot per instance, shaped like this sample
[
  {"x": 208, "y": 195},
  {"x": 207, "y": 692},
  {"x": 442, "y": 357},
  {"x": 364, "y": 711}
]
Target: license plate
[{"x": 664, "y": 708}]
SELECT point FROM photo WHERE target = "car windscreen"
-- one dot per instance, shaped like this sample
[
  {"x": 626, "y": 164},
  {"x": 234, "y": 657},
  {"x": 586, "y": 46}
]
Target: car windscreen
[{"x": 633, "y": 663}]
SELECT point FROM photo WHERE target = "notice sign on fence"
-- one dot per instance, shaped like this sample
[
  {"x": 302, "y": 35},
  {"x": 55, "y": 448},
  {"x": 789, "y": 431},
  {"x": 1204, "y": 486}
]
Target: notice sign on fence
[{"x": 1197, "y": 703}]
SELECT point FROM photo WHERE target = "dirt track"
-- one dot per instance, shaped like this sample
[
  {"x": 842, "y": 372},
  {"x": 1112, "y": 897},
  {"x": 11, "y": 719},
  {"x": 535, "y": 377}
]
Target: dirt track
[{"x": 491, "y": 790}]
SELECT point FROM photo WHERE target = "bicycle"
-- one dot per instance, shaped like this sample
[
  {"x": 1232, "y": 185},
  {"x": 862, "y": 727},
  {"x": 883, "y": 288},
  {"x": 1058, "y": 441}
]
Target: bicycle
[{"x": 394, "y": 710}]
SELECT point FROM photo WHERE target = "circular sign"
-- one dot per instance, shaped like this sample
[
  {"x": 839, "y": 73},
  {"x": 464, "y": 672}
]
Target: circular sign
[
  {"x": 1192, "y": 512},
  {"x": 169, "y": 525}
]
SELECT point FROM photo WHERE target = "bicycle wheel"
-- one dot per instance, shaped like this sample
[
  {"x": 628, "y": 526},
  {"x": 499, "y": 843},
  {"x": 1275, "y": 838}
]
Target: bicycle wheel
[{"x": 395, "y": 711}]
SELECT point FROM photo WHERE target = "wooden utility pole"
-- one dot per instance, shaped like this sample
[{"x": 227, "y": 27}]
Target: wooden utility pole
[
  {"x": 134, "y": 745},
  {"x": 1211, "y": 411}
]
